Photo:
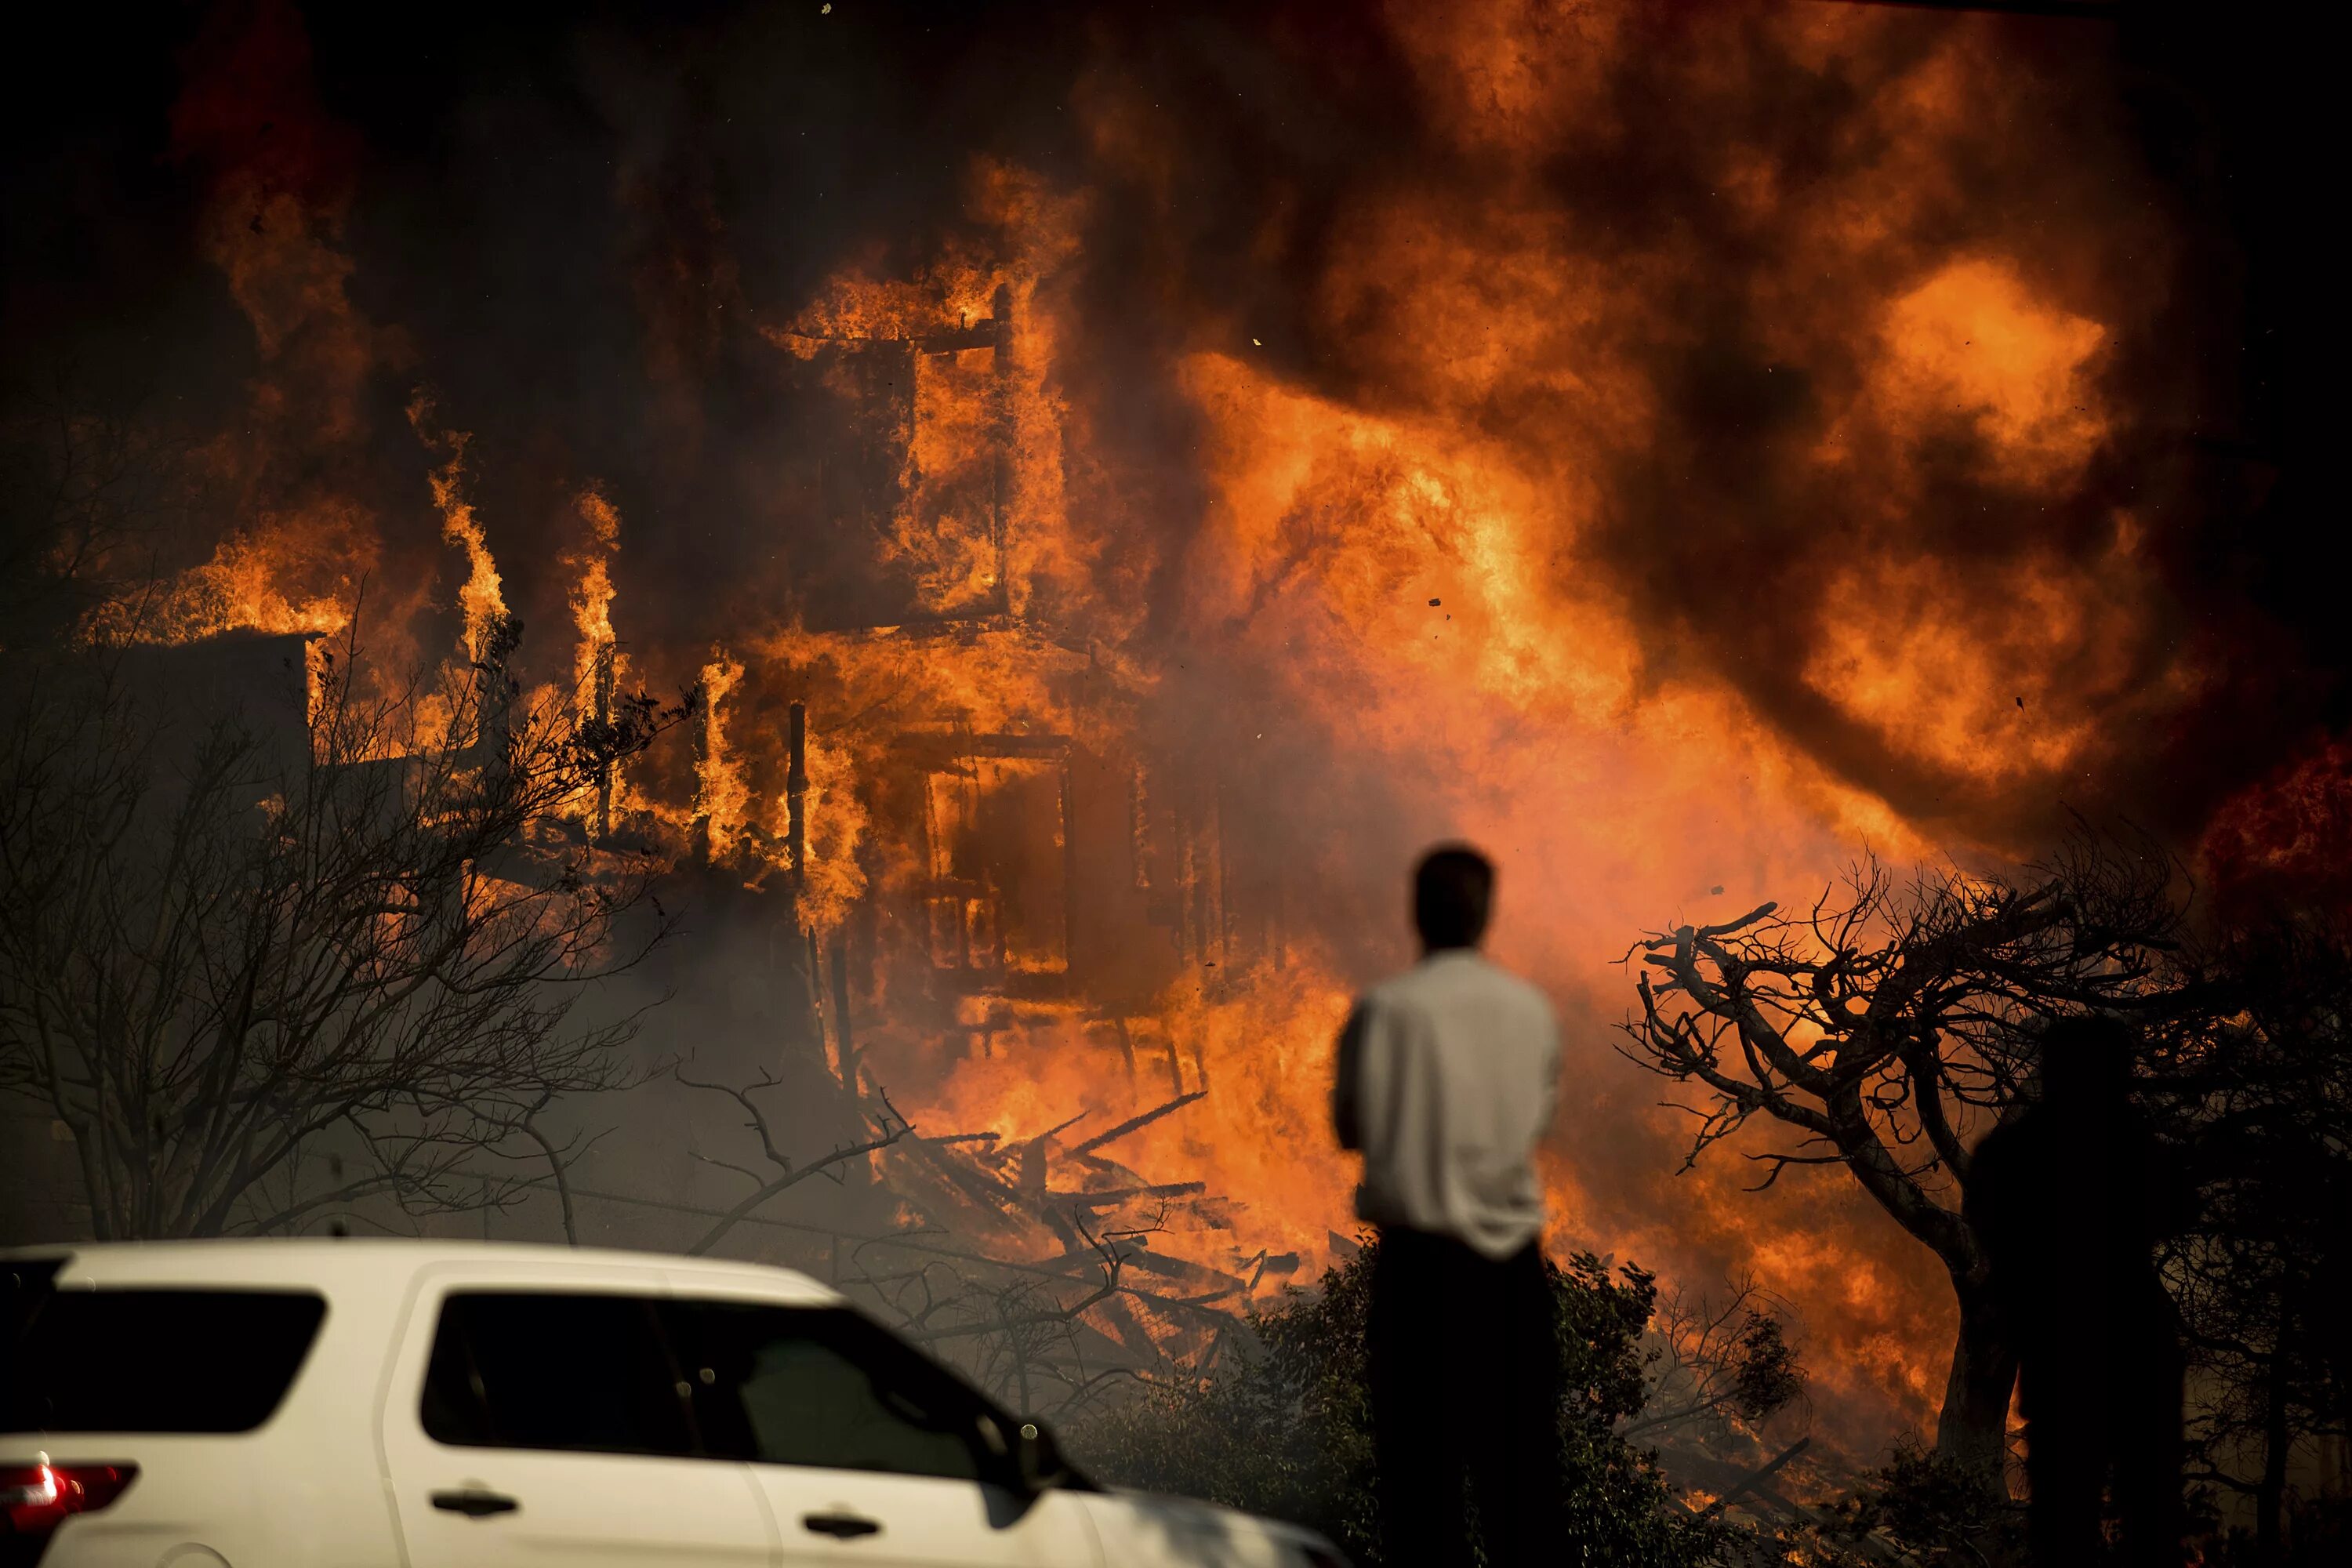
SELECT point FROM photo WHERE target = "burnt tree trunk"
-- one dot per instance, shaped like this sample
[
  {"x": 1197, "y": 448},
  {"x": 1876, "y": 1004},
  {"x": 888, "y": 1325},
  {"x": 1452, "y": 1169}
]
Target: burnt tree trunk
[
  {"x": 2278, "y": 1439},
  {"x": 1973, "y": 1429}
]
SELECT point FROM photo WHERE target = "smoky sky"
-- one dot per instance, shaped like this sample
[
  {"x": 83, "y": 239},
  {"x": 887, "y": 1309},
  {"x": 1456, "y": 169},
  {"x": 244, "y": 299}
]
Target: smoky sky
[{"x": 562, "y": 217}]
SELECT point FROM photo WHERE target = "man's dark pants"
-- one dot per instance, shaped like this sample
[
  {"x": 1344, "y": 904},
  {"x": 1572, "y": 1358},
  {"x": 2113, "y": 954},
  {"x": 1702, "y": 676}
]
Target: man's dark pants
[
  {"x": 1466, "y": 1384},
  {"x": 2101, "y": 1395}
]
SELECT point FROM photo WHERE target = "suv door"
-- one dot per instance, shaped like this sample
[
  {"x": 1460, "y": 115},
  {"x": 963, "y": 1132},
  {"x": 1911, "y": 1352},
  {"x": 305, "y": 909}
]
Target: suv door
[
  {"x": 867, "y": 1450},
  {"x": 549, "y": 1424}
]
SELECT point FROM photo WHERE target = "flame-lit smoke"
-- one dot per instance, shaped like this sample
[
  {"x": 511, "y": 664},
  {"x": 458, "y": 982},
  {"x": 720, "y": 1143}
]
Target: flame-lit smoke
[{"x": 1673, "y": 449}]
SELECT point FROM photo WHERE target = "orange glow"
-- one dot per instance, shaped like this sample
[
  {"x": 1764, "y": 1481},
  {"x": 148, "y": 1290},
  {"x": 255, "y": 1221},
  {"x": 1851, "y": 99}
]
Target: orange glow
[
  {"x": 1972, "y": 341},
  {"x": 2001, "y": 677}
]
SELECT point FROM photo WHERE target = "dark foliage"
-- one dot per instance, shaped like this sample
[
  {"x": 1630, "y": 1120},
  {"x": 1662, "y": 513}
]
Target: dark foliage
[
  {"x": 1892, "y": 1031},
  {"x": 1888, "y": 1027},
  {"x": 2257, "y": 1090},
  {"x": 1933, "y": 1509},
  {"x": 1284, "y": 1427},
  {"x": 239, "y": 943},
  {"x": 2310, "y": 1532},
  {"x": 1722, "y": 1369}
]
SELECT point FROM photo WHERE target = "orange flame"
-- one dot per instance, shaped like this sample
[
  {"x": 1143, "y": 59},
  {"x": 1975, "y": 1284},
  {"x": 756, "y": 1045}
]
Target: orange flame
[
  {"x": 482, "y": 595},
  {"x": 720, "y": 795},
  {"x": 592, "y": 592}
]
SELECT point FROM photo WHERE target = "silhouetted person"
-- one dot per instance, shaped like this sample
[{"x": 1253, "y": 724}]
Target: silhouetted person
[
  {"x": 1446, "y": 1080},
  {"x": 2069, "y": 1201}
]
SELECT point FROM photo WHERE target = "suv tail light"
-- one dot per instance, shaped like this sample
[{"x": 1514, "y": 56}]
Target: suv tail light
[{"x": 34, "y": 1498}]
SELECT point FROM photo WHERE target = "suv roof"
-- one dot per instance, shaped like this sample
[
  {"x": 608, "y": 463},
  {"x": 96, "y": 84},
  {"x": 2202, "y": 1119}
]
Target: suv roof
[{"x": 371, "y": 1261}]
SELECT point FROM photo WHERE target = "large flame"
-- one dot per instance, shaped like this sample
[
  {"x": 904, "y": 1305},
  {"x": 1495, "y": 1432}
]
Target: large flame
[
  {"x": 482, "y": 595},
  {"x": 591, "y": 593}
]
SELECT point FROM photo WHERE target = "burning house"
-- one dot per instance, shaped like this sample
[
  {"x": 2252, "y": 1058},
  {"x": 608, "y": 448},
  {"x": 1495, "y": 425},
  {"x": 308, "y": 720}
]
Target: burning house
[
  {"x": 952, "y": 928},
  {"x": 925, "y": 796}
]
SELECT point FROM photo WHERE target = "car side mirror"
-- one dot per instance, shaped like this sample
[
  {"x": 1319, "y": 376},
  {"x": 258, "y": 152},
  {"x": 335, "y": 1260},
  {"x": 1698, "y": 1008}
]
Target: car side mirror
[{"x": 1037, "y": 1457}]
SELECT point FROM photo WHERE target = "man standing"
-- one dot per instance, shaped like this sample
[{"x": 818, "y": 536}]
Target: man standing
[
  {"x": 1447, "y": 1081},
  {"x": 2069, "y": 1199}
]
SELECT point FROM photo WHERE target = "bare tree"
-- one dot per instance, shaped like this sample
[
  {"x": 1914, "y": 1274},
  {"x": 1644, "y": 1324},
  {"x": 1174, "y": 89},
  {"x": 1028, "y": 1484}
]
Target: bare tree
[
  {"x": 884, "y": 1127},
  {"x": 261, "y": 974},
  {"x": 1029, "y": 1329},
  {"x": 1022, "y": 1334},
  {"x": 1890, "y": 1025},
  {"x": 91, "y": 487},
  {"x": 1724, "y": 1367},
  {"x": 2257, "y": 1091}
]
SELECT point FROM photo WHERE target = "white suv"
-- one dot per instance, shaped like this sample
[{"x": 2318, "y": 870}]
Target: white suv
[{"x": 335, "y": 1403}]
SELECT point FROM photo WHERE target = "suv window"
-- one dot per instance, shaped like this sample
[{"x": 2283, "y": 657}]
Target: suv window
[
  {"x": 552, "y": 1370},
  {"x": 823, "y": 1386},
  {"x": 147, "y": 1360}
]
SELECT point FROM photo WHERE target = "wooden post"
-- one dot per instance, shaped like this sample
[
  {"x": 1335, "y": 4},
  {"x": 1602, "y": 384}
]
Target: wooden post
[
  {"x": 603, "y": 681},
  {"x": 796, "y": 798},
  {"x": 1000, "y": 473},
  {"x": 700, "y": 835},
  {"x": 796, "y": 876},
  {"x": 1070, "y": 873},
  {"x": 847, "y": 1051}
]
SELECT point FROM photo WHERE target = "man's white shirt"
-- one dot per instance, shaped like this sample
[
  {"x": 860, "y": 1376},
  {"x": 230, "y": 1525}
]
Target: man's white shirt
[{"x": 1448, "y": 1075}]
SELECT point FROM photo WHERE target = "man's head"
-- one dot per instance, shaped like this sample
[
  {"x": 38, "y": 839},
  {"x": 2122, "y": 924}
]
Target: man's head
[
  {"x": 2087, "y": 1062},
  {"x": 1452, "y": 894}
]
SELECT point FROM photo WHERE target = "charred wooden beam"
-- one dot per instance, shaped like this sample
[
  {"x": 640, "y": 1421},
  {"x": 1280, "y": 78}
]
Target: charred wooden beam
[
  {"x": 602, "y": 683},
  {"x": 848, "y": 1059},
  {"x": 1754, "y": 1481},
  {"x": 1137, "y": 1123},
  {"x": 796, "y": 796},
  {"x": 981, "y": 334},
  {"x": 1125, "y": 1048},
  {"x": 1001, "y": 498},
  {"x": 989, "y": 1194},
  {"x": 1111, "y": 1196}
]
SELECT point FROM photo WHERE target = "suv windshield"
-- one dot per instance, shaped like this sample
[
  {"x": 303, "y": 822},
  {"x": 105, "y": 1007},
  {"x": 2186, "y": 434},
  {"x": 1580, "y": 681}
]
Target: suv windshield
[{"x": 146, "y": 1361}]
